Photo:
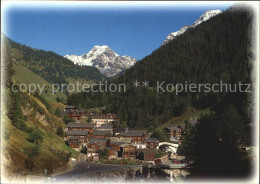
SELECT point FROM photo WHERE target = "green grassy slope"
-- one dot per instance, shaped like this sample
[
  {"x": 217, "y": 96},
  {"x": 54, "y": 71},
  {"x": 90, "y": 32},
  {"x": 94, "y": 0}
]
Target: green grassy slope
[
  {"x": 17, "y": 147},
  {"x": 44, "y": 67},
  {"x": 26, "y": 76},
  {"x": 191, "y": 113}
]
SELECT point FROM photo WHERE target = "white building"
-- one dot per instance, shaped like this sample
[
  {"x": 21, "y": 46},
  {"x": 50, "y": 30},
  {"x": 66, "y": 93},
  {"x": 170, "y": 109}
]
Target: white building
[{"x": 102, "y": 119}]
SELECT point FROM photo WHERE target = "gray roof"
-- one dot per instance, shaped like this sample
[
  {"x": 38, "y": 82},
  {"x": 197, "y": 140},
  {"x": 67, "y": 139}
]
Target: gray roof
[
  {"x": 73, "y": 140},
  {"x": 105, "y": 127},
  {"x": 122, "y": 139},
  {"x": 132, "y": 133},
  {"x": 119, "y": 129},
  {"x": 97, "y": 140},
  {"x": 103, "y": 132},
  {"x": 77, "y": 132},
  {"x": 80, "y": 125},
  {"x": 151, "y": 140}
]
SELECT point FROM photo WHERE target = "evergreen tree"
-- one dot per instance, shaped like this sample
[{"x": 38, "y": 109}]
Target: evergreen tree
[
  {"x": 60, "y": 131},
  {"x": 58, "y": 112},
  {"x": 15, "y": 112}
]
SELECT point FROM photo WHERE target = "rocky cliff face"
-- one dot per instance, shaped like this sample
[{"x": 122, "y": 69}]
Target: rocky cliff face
[{"x": 104, "y": 59}]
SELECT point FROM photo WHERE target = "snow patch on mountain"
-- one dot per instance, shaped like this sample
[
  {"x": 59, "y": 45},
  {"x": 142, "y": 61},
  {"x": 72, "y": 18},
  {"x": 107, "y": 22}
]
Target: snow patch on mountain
[
  {"x": 206, "y": 16},
  {"x": 104, "y": 59}
]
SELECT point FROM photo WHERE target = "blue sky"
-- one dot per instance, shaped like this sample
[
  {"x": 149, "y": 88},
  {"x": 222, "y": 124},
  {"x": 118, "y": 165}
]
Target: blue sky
[{"x": 134, "y": 30}]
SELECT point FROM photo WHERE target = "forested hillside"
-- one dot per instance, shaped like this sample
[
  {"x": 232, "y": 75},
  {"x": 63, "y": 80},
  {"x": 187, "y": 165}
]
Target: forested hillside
[
  {"x": 219, "y": 49},
  {"x": 46, "y": 67}
]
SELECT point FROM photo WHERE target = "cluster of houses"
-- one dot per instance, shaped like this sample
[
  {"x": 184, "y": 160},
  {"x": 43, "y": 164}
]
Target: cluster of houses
[
  {"x": 121, "y": 143},
  {"x": 97, "y": 119}
]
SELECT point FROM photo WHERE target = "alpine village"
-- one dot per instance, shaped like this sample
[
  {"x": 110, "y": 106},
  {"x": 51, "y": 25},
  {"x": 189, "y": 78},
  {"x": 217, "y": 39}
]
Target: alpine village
[{"x": 140, "y": 134}]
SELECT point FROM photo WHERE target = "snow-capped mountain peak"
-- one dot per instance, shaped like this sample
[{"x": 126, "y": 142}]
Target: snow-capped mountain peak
[
  {"x": 204, "y": 17},
  {"x": 105, "y": 59}
]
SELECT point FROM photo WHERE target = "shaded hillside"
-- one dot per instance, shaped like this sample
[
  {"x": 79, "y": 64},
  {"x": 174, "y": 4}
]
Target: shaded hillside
[{"x": 219, "y": 49}]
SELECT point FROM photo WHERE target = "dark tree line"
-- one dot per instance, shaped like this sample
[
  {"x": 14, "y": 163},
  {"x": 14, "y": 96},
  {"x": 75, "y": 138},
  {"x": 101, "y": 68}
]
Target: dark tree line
[{"x": 214, "y": 144}]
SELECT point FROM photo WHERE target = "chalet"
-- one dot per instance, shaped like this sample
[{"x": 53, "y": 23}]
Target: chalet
[
  {"x": 71, "y": 112},
  {"x": 120, "y": 140},
  {"x": 81, "y": 126},
  {"x": 173, "y": 131},
  {"x": 82, "y": 135},
  {"x": 94, "y": 144},
  {"x": 152, "y": 143},
  {"x": 114, "y": 149},
  {"x": 74, "y": 142},
  {"x": 103, "y": 119},
  {"x": 114, "y": 145},
  {"x": 105, "y": 128},
  {"x": 103, "y": 143},
  {"x": 137, "y": 136},
  {"x": 82, "y": 113},
  {"x": 146, "y": 154},
  {"x": 74, "y": 115},
  {"x": 101, "y": 134},
  {"x": 128, "y": 151},
  {"x": 92, "y": 149}
]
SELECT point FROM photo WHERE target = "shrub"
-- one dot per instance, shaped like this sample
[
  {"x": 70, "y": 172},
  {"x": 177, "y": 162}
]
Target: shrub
[
  {"x": 57, "y": 112},
  {"x": 67, "y": 120},
  {"x": 103, "y": 153},
  {"x": 35, "y": 136},
  {"x": 60, "y": 131}
]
